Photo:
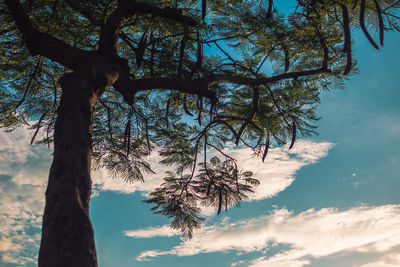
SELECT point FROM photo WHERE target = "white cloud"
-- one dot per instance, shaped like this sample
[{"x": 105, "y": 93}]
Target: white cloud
[
  {"x": 13, "y": 146},
  {"x": 238, "y": 263},
  {"x": 389, "y": 260},
  {"x": 24, "y": 171},
  {"x": 23, "y": 175},
  {"x": 310, "y": 234},
  {"x": 5, "y": 243},
  {"x": 145, "y": 256},
  {"x": 264, "y": 261},
  {"x": 103, "y": 182},
  {"x": 275, "y": 174},
  {"x": 150, "y": 232},
  {"x": 279, "y": 169},
  {"x": 20, "y": 222}
]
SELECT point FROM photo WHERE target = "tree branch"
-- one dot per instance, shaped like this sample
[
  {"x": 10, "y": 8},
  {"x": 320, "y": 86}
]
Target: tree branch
[
  {"x": 39, "y": 43},
  {"x": 362, "y": 25},
  {"x": 380, "y": 20},
  {"x": 167, "y": 12},
  {"x": 128, "y": 88},
  {"x": 125, "y": 10},
  {"x": 250, "y": 117},
  {"x": 88, "y": 14},
  {"x": 260, "y": 81},
  {"x": 347, "y": 38},
  {"x": 108, "y": 43}
]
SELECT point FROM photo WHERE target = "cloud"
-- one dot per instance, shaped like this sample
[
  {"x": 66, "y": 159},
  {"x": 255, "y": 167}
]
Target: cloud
[
  {"x": 280, "y": 167},
  {"x": 24, "y": 171},
  {"x": 23, "y": 175},
  {"x": 150, "y": 232},
  {"x": 309, "y": 235},
  {"x": 103, "y": 182},
  {"x": 238, "y": 263},
  {"x": 145, "y": 256},
  {"x": 275, "y": 174},
  {"x": 263, "y": 261},
  {"x": 5, "y": 243},
  {"x": 14, "y": 146},
  {"x": 389, "y": 260}
]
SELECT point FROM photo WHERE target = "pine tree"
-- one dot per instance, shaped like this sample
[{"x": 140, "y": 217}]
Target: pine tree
[{"x": 112, "y": 81}]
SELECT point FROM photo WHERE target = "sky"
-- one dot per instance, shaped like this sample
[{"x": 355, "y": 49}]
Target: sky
[{"x": 332, "y": 200}]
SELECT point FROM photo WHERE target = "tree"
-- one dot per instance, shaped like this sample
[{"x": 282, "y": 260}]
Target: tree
[{"x": 116, "y": 80}]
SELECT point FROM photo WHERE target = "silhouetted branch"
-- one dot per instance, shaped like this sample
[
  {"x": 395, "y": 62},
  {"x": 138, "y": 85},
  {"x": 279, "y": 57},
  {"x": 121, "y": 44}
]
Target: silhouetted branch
[
  {"x": 203, "y": 9},
  {"x": 347, "y": 38},
  {"x": 88, "y": 14},
  {"x": 266, "y": 147},
  {"x": 293, "y": 135},
  {"x": 254, "y": 110},
  {"x": 380, "y": 19},
  {"x": 108, "y": 121},
  {"x": 265, "y": 58},
  {"x": 199, "y": 55},
  {"x": 32, "y": 76},
  {"x": 38, "y": 126},
  {"x": 362, "y": 24},
  {"x": 269, "y": 12},
  {"x": 200, "y": 87},
  {"x": 125, "y": 10},
  {"x": 39, "y": 43}
]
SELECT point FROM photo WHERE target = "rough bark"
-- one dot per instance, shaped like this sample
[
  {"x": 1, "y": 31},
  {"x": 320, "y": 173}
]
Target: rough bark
[{"x": 67, "y": 233}]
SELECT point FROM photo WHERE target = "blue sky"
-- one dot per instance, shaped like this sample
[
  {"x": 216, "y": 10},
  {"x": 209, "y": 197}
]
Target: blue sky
[{"x": 333, "y": 200}]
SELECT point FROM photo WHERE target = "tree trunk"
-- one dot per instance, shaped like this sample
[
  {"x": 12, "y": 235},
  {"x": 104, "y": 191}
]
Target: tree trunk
[{"x": 67, "y": 233}]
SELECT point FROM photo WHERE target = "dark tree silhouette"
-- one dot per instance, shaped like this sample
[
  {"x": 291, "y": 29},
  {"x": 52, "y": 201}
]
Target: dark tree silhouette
[{"x": 113, "y": 80}]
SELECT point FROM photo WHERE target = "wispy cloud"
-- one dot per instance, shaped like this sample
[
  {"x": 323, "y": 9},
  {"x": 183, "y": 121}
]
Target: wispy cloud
[
  {"x": 150, "y": 232},
  {"x": 309, "y": 235},
  {"x": 24, "y": 171},
  {"x": 280, "y": 167},
  {"x": 388, "y": 260},
  {"x": 275, "y": 174},
  {"x": 23, "y": 175}
]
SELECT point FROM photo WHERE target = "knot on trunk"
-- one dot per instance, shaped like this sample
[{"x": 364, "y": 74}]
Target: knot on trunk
[{"x": 94, "y": 78}]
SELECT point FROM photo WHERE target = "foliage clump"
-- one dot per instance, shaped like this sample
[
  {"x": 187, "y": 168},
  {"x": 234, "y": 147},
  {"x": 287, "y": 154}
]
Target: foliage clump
[
  {"x": 191, "y": 78},
  {"x": 218, "y": 184}
]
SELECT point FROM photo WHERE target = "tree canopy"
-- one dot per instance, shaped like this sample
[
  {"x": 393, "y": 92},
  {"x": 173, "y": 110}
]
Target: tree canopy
[{"x": 183, "y": 78}]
